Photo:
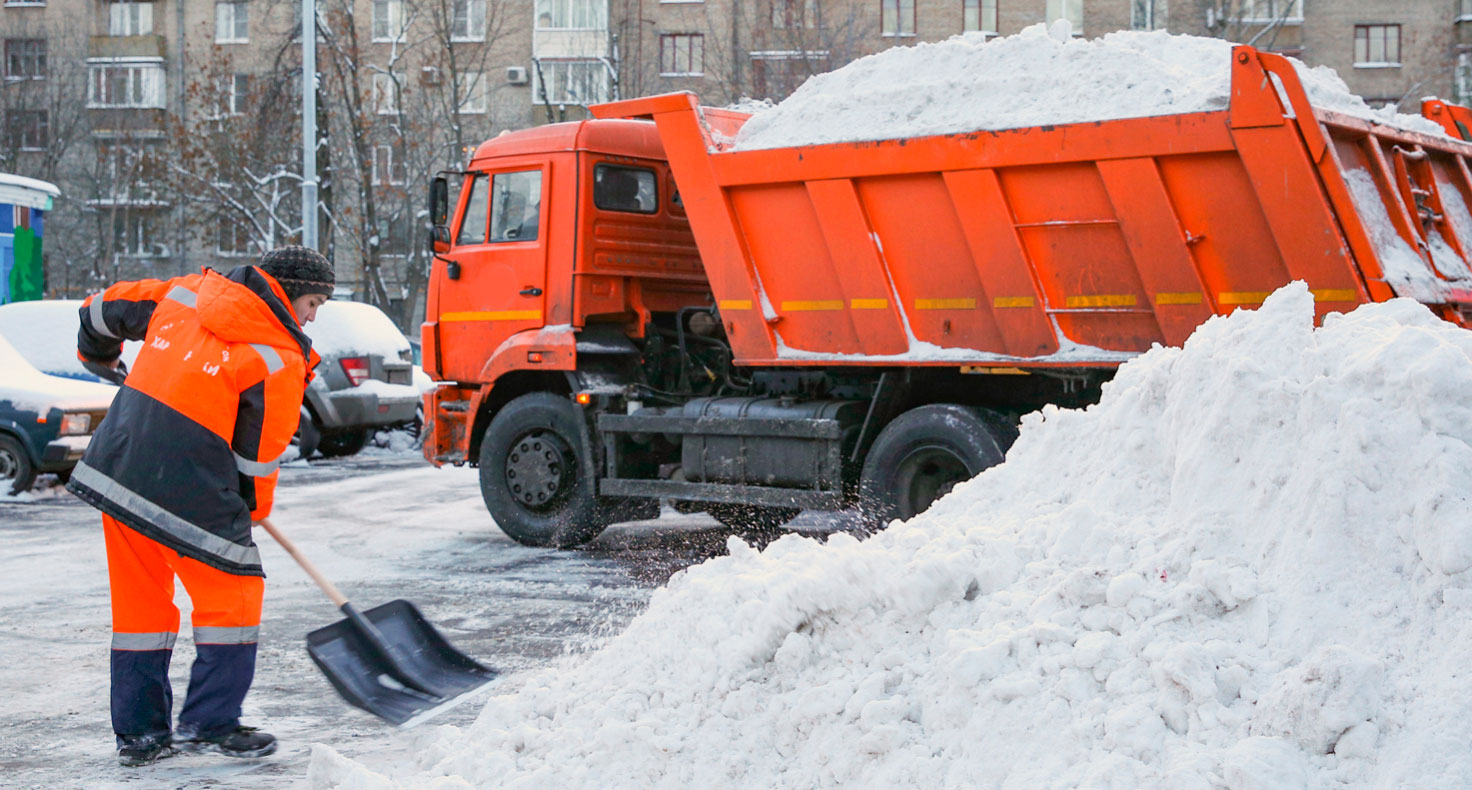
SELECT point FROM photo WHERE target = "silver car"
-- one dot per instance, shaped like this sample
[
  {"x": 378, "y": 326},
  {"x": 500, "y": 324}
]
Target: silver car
[{"x": 365, "y": 382}]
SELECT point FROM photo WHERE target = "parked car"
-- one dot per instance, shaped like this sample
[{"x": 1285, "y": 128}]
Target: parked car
[
  {"x": 45, "y": 333},
  {"x": 46, "y": 421},
  {"x": 365, "y": 381}
]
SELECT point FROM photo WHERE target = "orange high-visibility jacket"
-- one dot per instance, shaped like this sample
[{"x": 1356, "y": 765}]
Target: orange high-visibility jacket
[{"x": 187, "y": 454}]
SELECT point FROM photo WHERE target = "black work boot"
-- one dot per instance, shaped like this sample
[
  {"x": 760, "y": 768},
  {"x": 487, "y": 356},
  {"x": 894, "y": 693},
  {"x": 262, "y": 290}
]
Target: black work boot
[
  {"x": 136, "y": 750},
  {"x": 239, "y": 742}
]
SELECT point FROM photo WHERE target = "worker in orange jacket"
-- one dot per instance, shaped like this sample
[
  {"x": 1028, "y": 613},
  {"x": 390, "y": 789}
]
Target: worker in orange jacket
[{"x": 182, "y": 466}]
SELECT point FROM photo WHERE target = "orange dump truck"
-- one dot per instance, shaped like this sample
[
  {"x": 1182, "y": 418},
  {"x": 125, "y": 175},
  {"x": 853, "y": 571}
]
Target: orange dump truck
[{"x": 624, "y": 310}]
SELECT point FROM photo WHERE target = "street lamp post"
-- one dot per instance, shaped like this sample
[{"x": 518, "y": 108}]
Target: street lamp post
[{"x": 309, "y": 124}]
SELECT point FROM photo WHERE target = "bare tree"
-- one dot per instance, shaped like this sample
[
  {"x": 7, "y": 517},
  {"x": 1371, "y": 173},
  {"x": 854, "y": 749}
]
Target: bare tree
[{"x": 237, "y": 165}]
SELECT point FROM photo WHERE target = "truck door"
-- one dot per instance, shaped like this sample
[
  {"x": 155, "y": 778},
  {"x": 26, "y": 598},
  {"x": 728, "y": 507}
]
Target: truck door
[{"x": 499, "y": 245}]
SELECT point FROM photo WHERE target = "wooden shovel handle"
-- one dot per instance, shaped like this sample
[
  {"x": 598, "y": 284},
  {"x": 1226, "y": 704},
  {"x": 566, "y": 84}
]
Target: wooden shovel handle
[{"x": 328, "y": 587}]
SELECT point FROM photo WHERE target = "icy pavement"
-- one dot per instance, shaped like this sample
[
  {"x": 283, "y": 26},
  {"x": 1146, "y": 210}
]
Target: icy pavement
[{"x": 383, "y": 526}]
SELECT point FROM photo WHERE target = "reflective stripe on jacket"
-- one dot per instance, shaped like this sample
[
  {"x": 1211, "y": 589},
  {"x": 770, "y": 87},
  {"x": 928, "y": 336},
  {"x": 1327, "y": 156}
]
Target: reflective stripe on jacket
[{"x": 187, "y": 454}]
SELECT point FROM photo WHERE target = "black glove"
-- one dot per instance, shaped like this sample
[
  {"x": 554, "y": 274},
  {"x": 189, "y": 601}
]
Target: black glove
[{"x": 114, "y": 373}]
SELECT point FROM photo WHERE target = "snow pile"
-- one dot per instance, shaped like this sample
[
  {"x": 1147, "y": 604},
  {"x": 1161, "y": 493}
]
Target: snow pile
[
  {"x": 346, "y": 328},
  {"x": 1036, "y": 77},
  {"x": 1246, "y": 568}
]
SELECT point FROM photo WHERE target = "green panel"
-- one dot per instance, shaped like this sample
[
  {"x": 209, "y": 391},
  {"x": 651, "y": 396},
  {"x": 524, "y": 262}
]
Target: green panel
[{"x": 25, "y": 278}]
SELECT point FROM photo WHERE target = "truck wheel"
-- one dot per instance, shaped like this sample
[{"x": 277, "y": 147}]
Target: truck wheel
[
  {"x": 754, "y": 518},
  {"x": 920, "y": 456},
  {"x": 17, "y": 474},
  {"x": 343, "y": 443},
  {"x": 535, "y": 475}
]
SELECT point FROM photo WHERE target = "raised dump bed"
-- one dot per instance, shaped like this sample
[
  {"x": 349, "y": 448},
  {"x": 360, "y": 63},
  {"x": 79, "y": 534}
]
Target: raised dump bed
[{"x": 1065, "y": 245}]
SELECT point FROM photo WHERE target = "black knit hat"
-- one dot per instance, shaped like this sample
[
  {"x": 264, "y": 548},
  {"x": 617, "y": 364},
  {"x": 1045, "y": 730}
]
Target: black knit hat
[{"x": 300, "y": 270}]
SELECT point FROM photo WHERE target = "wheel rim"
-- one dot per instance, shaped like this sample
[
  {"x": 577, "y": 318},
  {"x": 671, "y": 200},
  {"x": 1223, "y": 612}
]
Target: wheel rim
[
  {"x": 541, "y": 470},
  {"x": 9, "y": 465},
  {"x": 925, "y": 475}
]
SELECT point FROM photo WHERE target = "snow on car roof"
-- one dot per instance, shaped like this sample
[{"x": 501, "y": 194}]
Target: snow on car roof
[
  {"x": 1039, "y": 76},
  {"x": 45, "y": 333},
  {"x": 30, "y": 389},
  {"x": 355, "y": 328}
]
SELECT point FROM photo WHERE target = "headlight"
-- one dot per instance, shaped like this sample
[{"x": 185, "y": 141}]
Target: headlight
[{"x": 76, "y": 424}]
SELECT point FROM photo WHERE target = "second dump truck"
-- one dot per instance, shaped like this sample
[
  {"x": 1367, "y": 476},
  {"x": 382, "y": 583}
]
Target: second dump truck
[{"x": 624, "y": 310}]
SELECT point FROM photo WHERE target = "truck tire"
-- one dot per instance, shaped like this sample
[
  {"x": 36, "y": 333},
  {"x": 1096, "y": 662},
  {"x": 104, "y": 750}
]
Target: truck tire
[
  {"x": 752, "y": 518},
  {"x": 17, "y": 473},
  {"x": 536, "y": 477},
  {"x": 920, "y": 456},
  {"x": 343, "y": 443}
]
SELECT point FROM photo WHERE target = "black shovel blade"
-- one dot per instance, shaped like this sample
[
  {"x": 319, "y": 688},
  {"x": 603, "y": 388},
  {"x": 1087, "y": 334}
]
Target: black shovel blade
[{"x": 368, "y": 677}]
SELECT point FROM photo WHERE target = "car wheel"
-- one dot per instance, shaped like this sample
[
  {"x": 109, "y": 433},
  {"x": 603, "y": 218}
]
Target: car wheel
[
  {"x": 17, "y": 473},
  {"x": 308, "y": 437},
  {"x": 920, "y": 456},
  {"x": 341, "y": 443},
  {"x": 752, "y": 518},
  {"x": 536, "y": 477}
]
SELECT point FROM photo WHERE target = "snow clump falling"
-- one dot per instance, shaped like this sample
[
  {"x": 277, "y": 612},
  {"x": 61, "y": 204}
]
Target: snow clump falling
[
  {"x": 1036, "y": 77},
  {"x": 1247, "y": 567}
]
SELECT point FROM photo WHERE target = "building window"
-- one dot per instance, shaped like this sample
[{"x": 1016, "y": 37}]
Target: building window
[
  {"x": 777, "y": 73},
  {"x": 387, "y": 168},
  {"x": 25, "y": 58},
  {"x": 27, "y": 130},
  {"x": 472, "y": 93},
  {"x": 1072, "y": 10},
  {"x": 572, "y": 14},
  {"x": 1147, "y": 14},
  {"x": 897, "y": 17},
  {"x": 468, "y": 20},
  {"x": 236, "y": 94},
  {"x": 385, "y": 94},
  {"x": 1376, "y": 45},
  {"x": 137, "y": 233},
  {"x": 979, "y": 15},
  {"x": 232, "y": 23},
  {"x": 1464, "y": 10},
  {"x": 681, "y": 55},
  {"x": 794, "y": 14},
  {"x": 234, "y": 239},
  {"x": 388, "y": 20},
  {"x": 572, "y": 81},
  {"x": 116, "y": 84},
  {"x": 130, "y": 19},
  {"x": 1265, "y": 11},
  {"x": 129, "y": 170}
]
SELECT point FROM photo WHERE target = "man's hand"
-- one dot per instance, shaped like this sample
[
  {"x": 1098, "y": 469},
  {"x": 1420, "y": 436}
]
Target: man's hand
[{"x": 114, "y": 371}]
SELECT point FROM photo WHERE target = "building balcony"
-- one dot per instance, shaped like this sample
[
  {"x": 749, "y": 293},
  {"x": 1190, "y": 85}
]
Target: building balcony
[
  {"x": 141, "y": 122},
  {"x": 149, "y": 46}
]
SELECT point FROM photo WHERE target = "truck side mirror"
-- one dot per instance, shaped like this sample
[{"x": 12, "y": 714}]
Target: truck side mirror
[{"x": 439, "y": 213}]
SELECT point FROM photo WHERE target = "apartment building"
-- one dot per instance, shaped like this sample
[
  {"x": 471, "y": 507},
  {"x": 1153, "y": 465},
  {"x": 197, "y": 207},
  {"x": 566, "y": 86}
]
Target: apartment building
[{"x": 173, "y": 127}]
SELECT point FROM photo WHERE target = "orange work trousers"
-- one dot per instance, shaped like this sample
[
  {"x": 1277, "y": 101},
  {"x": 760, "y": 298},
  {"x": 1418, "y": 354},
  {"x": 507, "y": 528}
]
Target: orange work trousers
[{"x": 145, "y": 623}]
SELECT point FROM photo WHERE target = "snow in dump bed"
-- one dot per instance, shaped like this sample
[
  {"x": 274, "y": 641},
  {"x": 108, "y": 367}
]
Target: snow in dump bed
[
  {"x": 1247, "y": 567},
  {"x": 344, "y": 328},
  {"x": 1036, "y": 77}
]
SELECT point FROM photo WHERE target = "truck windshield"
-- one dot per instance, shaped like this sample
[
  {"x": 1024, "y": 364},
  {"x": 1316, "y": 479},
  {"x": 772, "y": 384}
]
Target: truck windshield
[{"x": 516, "y": 202}]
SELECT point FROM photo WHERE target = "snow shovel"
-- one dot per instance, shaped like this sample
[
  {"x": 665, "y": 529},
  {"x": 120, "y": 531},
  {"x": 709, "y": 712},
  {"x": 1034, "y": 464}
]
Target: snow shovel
[{"x": 389, "y": 660}]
